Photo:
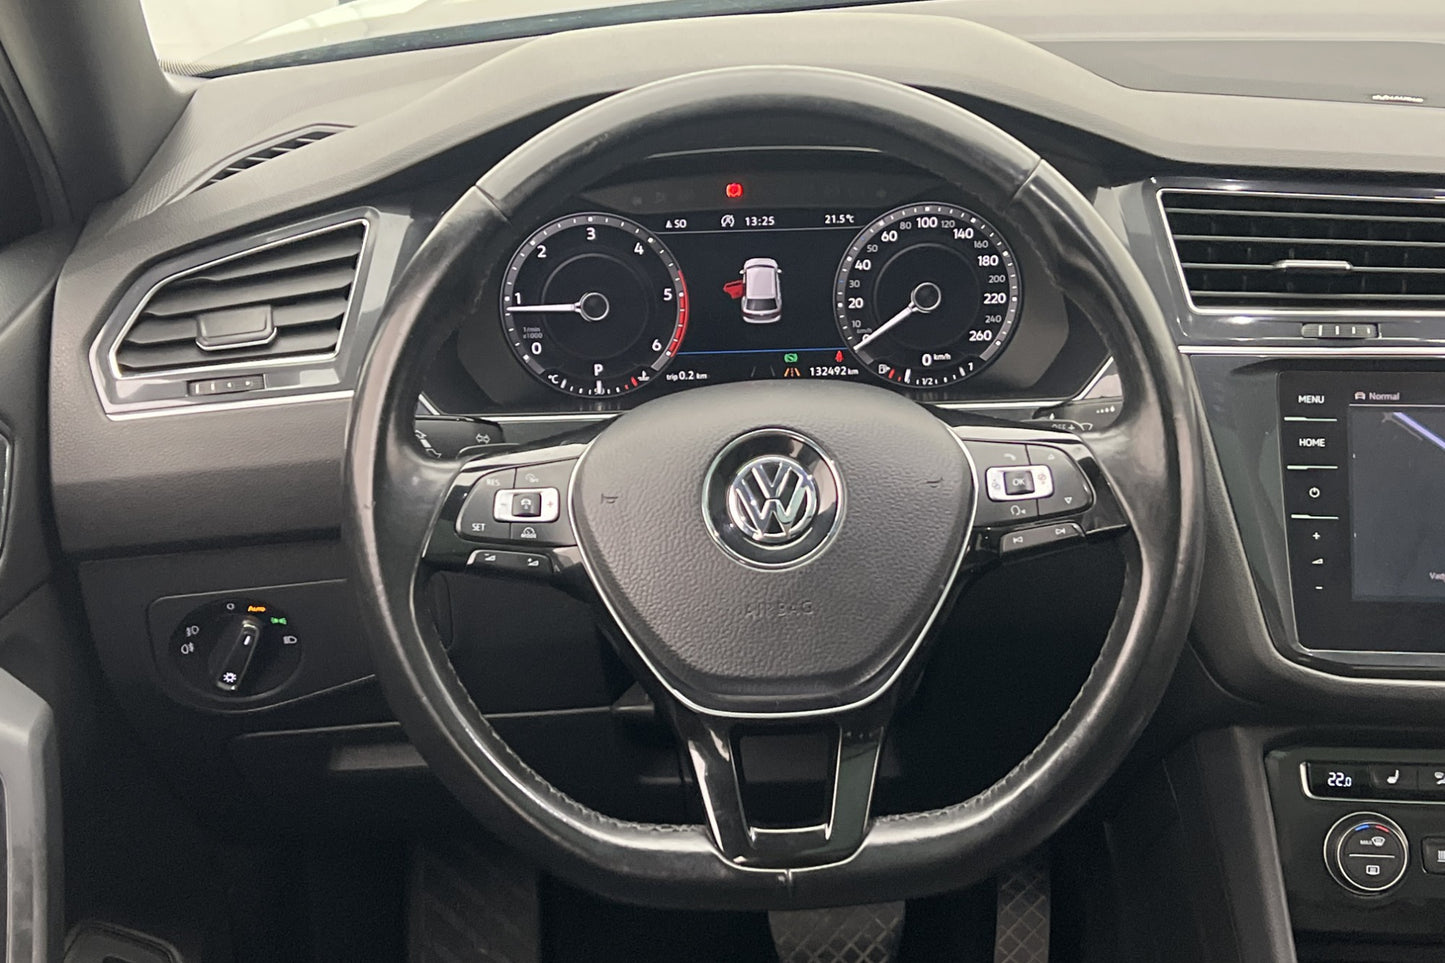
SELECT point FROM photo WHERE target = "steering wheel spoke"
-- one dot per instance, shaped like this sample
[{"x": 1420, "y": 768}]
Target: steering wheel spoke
[{"x": 713, "y": 747}]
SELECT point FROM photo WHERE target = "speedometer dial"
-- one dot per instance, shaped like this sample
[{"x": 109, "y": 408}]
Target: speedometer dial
[
  {"x": 594, "y": 304},
  {"x": 927, "y": 295}
]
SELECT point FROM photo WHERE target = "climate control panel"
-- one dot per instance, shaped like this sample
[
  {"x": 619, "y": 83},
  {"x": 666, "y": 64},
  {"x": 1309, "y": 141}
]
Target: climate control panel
[{"x": 1367, "y": 852}]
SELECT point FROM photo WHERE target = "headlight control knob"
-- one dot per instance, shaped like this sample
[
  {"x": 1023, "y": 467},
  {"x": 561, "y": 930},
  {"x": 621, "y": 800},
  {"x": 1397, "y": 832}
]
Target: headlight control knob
[
  {"x": 1367, "y": 853},
  {"x": 236, "y": 648}
]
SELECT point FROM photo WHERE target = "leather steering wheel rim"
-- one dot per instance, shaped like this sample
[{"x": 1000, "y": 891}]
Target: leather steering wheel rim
[{"x": 1151, "y": 456}]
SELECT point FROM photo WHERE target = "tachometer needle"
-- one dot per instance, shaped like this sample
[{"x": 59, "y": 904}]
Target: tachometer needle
[
  {"x": 925, "y": 298},
  {"x": 591, "y": 306}
]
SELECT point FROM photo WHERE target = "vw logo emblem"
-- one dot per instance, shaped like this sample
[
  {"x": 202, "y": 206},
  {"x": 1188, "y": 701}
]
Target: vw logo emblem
[{"x": 772, "y": 498}]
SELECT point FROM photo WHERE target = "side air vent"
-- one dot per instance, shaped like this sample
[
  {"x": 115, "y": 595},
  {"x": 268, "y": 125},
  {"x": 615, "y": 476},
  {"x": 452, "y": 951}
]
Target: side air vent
[
  {"x": 1266, "y": 252},
  {"x": 285, "y": 300},
  {"x": 261, "y": 155}
]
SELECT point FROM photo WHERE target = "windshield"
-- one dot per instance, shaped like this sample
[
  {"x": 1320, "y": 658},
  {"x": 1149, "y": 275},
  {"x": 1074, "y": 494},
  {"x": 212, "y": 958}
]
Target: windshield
[{"x": 209, "y": 37}]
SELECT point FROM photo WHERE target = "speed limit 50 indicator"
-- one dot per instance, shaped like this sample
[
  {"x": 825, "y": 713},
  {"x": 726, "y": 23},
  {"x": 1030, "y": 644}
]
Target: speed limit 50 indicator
[{"x": 927, "y": 295}]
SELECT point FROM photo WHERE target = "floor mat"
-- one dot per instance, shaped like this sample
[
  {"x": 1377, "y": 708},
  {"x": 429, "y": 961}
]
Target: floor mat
[{"x": 472, "y": 901}]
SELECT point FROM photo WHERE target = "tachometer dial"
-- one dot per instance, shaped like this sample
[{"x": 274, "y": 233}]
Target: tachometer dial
[
  {"x": 927, "y": 295},
  {"x": 594, "y": 304}
]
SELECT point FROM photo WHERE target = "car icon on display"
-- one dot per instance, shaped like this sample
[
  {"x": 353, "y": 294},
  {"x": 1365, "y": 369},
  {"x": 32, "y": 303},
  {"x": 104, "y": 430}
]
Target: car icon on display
[{"x": 762, "y": 291}]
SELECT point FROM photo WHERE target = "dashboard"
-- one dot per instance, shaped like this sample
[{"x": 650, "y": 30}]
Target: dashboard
[
  {"x": 785, "y": 263},
  {"x": 1322, "y": 595}
]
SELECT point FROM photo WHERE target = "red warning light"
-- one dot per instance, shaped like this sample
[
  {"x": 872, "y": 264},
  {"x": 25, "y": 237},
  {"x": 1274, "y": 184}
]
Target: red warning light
[
  {"x": 838, "y": 357},
  {"x": 733, "y": 190}
]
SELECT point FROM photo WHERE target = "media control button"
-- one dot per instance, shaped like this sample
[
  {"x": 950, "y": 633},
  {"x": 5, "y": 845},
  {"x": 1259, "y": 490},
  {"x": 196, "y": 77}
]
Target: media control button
[
  {"x": 1071, "y": 491},
  {"x": 1018, "y": 481},
  {"x": 1006, "y": 484},
  {"x": 1391, "y": 780},
  {"x": 1040, "y": 536},
  {"x": 990, "y": 512},
  {"x": 989, "y": 454},
  {"x": 1432, "y": 854}
]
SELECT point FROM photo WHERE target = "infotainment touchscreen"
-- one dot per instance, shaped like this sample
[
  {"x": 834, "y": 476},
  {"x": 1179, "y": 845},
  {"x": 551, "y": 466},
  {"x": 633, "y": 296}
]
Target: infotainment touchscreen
[
  {"x": 1397, "y": 501},
  {"x": 1362, "y": 455}
]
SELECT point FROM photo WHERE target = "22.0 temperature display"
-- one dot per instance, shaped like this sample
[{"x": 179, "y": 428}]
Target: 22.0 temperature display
[{"x": 927, "y": 295}]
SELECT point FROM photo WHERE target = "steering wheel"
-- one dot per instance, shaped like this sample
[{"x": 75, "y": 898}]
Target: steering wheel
[{"x": 771, "y": 553}]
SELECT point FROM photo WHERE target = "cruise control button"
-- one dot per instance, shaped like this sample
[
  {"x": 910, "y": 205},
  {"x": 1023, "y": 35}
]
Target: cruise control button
[
  {"x": 1071, "y": 492},
  {"x": 527, "y": 505},
  {"x": 475, "y": 520},
  {"x": 554, "y": 526}
]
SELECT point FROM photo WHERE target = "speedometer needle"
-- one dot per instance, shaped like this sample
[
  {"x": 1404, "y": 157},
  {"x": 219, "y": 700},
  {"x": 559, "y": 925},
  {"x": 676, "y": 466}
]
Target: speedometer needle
[{"x": 924, "y": 299}]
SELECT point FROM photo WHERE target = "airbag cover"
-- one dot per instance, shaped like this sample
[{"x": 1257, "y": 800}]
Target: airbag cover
[{"x": 822, "y": 631}]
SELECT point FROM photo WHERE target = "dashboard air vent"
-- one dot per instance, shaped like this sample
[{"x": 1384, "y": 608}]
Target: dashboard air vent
[
  {"x": 1241, "y": 250},
  {"x": 261, "y": 155},
  {"x": 287, "y": 299}
]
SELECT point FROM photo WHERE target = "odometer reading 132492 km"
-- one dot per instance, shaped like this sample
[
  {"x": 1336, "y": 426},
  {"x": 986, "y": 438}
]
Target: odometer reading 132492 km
[{"x": 927, "y": 295}]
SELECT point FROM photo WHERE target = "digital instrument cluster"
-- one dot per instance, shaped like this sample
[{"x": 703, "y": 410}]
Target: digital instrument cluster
[{"x": 920, "y": 294}]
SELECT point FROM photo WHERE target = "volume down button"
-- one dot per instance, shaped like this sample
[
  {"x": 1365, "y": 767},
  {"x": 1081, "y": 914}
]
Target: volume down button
[{"x": 236, "y": 649}]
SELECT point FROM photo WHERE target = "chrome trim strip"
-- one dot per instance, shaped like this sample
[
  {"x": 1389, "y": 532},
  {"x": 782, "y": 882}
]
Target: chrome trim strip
[
  {"x": 1313, "y": 351},
  {"x": 184, "y": 409},
  {"x": 1264, "y": 311}
]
